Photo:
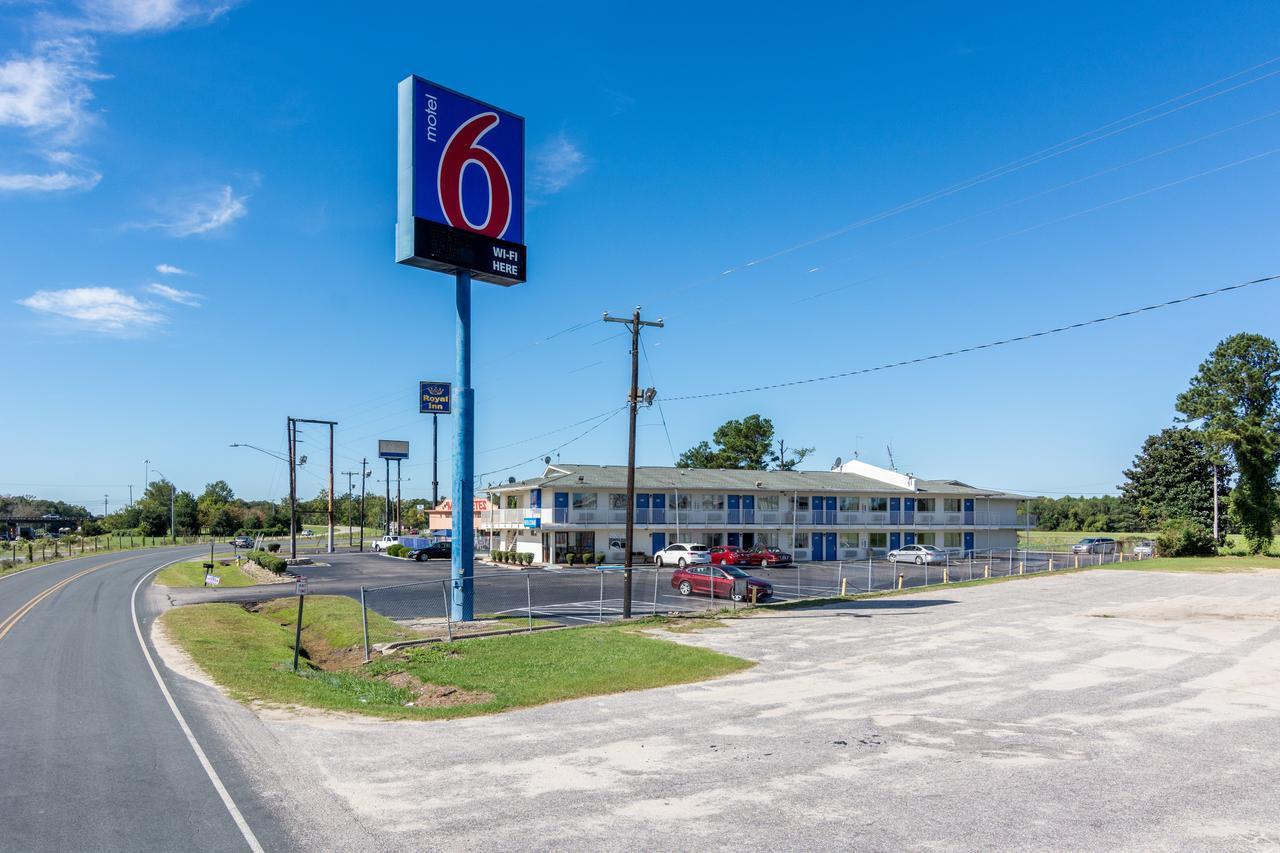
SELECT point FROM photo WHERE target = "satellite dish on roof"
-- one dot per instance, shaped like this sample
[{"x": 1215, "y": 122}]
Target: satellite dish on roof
[
  {"x": 511, "y": 479},
  {"x": 835, "y": 466},
  {"x": 546, "y": 460}
]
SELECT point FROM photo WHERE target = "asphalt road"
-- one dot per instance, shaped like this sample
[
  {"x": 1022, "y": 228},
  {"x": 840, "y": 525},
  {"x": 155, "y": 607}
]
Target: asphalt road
[{"x": 94, "y": 758}]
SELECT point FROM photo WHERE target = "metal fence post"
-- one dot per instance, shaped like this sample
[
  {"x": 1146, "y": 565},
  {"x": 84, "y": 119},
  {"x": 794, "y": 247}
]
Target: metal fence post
[
  {"x": 839, "y": 574},
  {"x": 1011, "y": 562},
  {"x": 364, "y": 624},
  {"x": 528, "y": 597},
  {"x": 868, "y": 570},
  {"x": 448, "y": 609},
  {"x": 655, "y": 590},
  {"x": 602, "y": 591},
  {"x": 797, "y": 582}
]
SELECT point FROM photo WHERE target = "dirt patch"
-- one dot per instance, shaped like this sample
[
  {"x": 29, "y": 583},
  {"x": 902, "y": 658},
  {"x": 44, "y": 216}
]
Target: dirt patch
[{"x": 426, "y": 695}]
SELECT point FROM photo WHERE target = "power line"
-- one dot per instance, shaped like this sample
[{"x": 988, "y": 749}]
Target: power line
[
  {"x": 988, "y": 345},
  {"x": 610, "y": 416}
]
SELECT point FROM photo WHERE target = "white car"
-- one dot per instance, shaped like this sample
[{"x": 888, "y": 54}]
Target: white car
[
  {"x": 306, "y": 533},
  {"x": 385, "y": 542},
  {"x": 918, "y": 554},
  {"x": 682, "y": 554},
  {"x": 1144, "y": 550}
]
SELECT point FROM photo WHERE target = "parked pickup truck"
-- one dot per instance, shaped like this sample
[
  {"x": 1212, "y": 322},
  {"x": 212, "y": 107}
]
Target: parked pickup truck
[{"x": 410, "y": 542}]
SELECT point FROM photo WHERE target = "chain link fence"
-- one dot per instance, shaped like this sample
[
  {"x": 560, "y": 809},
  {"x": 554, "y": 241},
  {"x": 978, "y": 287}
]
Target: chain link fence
[{"x": 526, "y": 600}]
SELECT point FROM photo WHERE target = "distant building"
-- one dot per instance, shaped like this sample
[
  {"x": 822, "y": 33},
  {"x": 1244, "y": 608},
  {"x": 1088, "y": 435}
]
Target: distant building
[
  {"x": 845, "y": 514},
  {"x": 440, "y": 519}
]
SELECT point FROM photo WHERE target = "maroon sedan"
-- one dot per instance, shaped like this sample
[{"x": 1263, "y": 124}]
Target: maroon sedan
[
  {"x": 727, "y": 555},
  {"x": 702, "y": 580},
  {"x": 767, "y": 556}
]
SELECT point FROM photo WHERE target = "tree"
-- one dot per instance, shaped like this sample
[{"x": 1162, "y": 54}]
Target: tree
[
  {"x": 785, "y": 464},
  {"x": 1172, "y": 478},
  {"x": 1234, "y": 396},
  {"x": 747, "y": 444}
]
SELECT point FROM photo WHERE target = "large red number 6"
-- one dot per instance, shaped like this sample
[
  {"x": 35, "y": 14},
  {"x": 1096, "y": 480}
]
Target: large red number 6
[{"x": 460, "y": 150}]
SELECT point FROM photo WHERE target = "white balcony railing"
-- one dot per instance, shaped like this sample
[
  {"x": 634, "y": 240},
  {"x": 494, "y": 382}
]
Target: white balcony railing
[{"x": 747, "y": 518}]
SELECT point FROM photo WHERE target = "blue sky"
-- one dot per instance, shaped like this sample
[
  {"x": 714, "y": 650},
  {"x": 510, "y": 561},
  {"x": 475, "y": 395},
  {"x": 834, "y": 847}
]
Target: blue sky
[{"x": 198, "y": 207}]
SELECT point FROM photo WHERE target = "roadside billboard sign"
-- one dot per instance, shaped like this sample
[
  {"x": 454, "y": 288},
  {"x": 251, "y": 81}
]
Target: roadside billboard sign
[
  {"x": 459, "y": 185},
  {"x": 435, "y": 398},
  {"x": 388, "y": 449}
]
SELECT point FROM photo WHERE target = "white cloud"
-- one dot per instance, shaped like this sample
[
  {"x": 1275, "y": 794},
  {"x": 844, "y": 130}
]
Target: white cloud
[
  {"x": 170, "y": 269},
  {"x": 47, "y": 89},
  {"x": 200, "y": 213},
  {"x": 182, "y": 297},
  {"x": 557, "y": 163},
  {"x": 136, "y": 16},
  {"x": 99, "y": 309}
]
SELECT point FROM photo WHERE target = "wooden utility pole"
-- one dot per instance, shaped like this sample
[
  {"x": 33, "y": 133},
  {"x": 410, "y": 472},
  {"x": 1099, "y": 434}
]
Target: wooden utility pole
[{"x": 634, "y": 398}]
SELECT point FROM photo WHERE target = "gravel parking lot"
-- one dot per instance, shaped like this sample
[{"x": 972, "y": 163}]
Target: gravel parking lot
[{"x": 1105, "y": 709}]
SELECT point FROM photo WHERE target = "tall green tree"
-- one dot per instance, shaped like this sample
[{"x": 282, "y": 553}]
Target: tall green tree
[
  {"x": 1234, "y": 397},
  {"x": 745, "y": 444},
  {"x": 1172, "y": 478}
]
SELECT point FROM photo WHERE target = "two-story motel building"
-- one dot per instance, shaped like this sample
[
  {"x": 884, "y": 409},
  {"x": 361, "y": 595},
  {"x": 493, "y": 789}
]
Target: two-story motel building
[{"x": 845, "y": 514}]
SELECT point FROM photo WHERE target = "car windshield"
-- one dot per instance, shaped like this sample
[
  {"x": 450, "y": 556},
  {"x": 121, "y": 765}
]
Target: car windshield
[
  {"x": 735, "y": 572},
  {"x": 697, "y": 547}
]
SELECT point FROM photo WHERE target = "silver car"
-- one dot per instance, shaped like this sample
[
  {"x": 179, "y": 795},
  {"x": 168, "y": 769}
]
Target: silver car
[
  {"x": 918, "y": 554},
  {"x": 1144, "y": 549},
  {"x": 1094, "y": 545}
]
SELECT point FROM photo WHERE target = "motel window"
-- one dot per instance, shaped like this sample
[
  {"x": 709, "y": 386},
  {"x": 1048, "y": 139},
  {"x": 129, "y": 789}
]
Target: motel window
[
  {"x": 877, "y": 504},
  {"x": 878, "y": 540},
  {"x": 684, "y": 501},
  {"x": 584, "y": 500},
  {"x": 713, "y": 540},
  {"x": 768, "y": 537},
  {"x": 800, "y": 504},
  {"x": 954, "y": 540},
  {"x": 925, "y": 538},
  {"x": 924, "y": 505},
  {"x": 710, "y": 503},
  {"x": 950, "y": 504},
  {"x": 848, "y": 540},
  {"x": 849, "y": 505},
  {"x": 618, "y": 501},
  {"x": 513, "y": 502},
  {"x": 800, "y": 542},
  {"x": 767, "y": 502}
]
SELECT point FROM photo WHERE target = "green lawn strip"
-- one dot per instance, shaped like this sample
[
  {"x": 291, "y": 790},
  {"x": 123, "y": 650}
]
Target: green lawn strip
[
  {"x": 192, "y": 575},
  {"x": 336, "y": 620},
  {"x": 249, "y": 653},
  {"x": 1209, "y": 565}
]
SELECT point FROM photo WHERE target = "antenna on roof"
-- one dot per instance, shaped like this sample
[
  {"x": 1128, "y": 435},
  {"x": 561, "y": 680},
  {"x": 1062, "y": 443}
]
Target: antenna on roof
[
  {"x": 835, "y": 466},
  {"x": 889, "y": 449},
  {"x": 857, "y": 454}
]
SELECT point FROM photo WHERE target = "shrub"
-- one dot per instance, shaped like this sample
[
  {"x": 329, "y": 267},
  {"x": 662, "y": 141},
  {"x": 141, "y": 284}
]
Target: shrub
[
  {"x": 1182, "y": 537},
  {"x": 527, "y": 559},
  {"x": 599, "y": 558},
  {"x": 397, "y": 550},
  {"x": 571, "y": 558},
  {"x": 270, "y": 562},
  {"x": 499, "y": 556},
  {"x": 273, "y": 547}
]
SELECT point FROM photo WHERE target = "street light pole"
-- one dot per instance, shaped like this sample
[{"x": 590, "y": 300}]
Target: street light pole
[
  {"x": 350, "y": 532},
  {"x": 293, "y": 489},
  {"x": 633, "y": 400}
]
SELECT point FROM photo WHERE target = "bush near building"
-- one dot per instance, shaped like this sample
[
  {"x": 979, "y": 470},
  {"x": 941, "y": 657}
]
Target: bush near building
[
  {"x": 1185, "y": 537},
  {"x": 270, "y": 562}
]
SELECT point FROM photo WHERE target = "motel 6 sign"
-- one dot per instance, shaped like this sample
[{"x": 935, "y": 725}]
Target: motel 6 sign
[{"x": 460, "y": 184}]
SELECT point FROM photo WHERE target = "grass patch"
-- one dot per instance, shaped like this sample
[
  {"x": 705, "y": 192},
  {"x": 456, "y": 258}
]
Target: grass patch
[
  {"x": 1208, "y": 565},
  {"x": 192, "y": 575},
  {"x": 249, "y": 654}
]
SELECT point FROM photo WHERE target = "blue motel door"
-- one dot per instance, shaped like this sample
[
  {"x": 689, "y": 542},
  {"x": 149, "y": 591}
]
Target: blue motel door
[
  {"x": 968, "y": 542},
  {"x": 657, "y": 542},
  {"x": 735, "y": 539},
  {"x": 909, "y": 538},
  {"x": 895, "y": 541},
  {"x": 830, "y": 551},
  {"x": 561, "y": 513},
  {"x": 748, "y": 509},
  {"x": 642, "y": 508},
  {"x": 895, "y": 505},
  {"x": 815, "y": 547},
  {"x": 659, "y": 508},
  {"x": 735, "y": 509},
  {"x": 968, "y": 512},
  {"x": 908, "y": 510}
]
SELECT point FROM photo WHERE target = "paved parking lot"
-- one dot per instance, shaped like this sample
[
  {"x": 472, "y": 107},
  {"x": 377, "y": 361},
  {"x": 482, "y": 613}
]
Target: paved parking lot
[{"x": 1106, "y": 709}]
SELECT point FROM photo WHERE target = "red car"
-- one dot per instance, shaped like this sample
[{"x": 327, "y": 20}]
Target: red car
[
  {"x": 767, "y": 556},
  {"x": 727, "y": 555},
  {"x": 700, "y": 579}
]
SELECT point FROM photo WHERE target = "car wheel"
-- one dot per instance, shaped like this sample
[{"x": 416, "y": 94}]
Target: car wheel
[
  {"x": 418, "y": 558},
  {"x": 685, "y": 587},
  {"x": 893, "y": 558},
  {"x": 919, "y": 561},
  {"x": 764, "y": 564},
  {"x": 680, "y": 562},
  {"x": 737, "y": 596},
  {"x": 657, "y": 561}
]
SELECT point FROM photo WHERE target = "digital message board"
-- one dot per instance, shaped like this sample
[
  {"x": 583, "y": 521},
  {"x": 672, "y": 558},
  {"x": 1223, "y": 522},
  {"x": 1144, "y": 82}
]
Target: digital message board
[
  {"x": 435, "y": 398},
  {"x": 388, "y": 449},
  {"x": 460, "y": 184}
]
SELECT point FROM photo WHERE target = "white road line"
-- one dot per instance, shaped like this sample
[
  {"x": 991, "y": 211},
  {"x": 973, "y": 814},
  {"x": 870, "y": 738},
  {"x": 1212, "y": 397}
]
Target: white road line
[{"x": 249, "y": 837}]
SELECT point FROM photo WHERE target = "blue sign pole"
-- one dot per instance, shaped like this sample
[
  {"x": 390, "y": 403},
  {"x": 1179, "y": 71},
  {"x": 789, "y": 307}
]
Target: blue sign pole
[{"x": 463, "y": 462}]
